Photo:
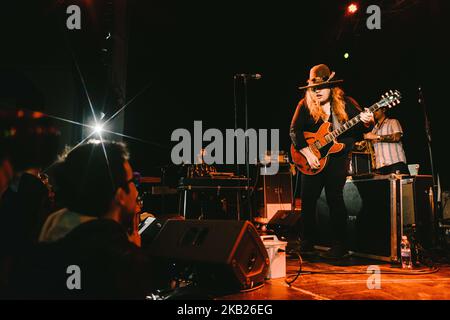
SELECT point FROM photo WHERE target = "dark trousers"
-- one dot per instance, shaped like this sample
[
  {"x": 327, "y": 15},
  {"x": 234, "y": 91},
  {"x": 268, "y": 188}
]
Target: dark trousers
[{"x": 332, "y": 178}]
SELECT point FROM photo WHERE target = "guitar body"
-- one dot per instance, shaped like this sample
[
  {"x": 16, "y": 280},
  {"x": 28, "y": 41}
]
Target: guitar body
[{"x": 322, "y": 154}]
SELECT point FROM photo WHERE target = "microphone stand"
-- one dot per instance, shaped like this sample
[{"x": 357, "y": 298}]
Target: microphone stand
[
  {"x": 238, "y": 172},
  {"x": 235, "y": 118},
  {"x": 434, "y": 173},
  {"x": 247, "y": 160}
]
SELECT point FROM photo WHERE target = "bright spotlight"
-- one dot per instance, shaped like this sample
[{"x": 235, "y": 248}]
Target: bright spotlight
[
  {"x": 98, "y": 128},
  {"x": 352, "y": 8}
]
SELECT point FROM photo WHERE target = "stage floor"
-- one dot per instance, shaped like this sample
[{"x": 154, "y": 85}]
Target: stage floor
[{"x": 433, "y": 286}]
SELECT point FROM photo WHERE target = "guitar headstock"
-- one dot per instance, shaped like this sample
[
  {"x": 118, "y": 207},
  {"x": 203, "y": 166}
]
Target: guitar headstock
[{"x": 390, "y": 99}]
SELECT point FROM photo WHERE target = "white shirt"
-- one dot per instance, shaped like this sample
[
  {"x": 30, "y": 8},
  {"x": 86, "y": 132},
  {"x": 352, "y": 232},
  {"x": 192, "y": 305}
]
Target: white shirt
[{"x": 387, "y": 153}]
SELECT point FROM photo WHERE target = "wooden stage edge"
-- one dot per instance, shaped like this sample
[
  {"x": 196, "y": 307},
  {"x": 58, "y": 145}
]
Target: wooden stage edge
[{"x": 394, "y": 283}]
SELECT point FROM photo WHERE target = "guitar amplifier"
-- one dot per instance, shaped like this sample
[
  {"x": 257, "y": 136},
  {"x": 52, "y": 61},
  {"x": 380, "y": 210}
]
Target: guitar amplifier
[
  {"x": 380, "y": 211},
  {"x": 360, "y": 164},
  {"x": 275, "y": 192},
  {"x": 217, "y": 198},
  {"x": 446, "y": 205}
]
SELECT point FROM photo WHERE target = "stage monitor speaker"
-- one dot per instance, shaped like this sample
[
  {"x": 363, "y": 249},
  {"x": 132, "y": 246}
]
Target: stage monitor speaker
[
  {"x": 285, "y": 224},
  {"x": 150, "y": 228},
  {"x": 221, "y": 254}
]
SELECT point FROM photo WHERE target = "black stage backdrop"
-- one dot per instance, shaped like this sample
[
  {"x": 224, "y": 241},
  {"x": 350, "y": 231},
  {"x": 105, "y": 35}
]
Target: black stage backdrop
[{"x": 186, "y": 52}]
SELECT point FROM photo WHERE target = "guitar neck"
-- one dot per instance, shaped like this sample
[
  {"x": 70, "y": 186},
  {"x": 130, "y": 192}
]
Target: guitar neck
[{"x": 349, "y": 124}]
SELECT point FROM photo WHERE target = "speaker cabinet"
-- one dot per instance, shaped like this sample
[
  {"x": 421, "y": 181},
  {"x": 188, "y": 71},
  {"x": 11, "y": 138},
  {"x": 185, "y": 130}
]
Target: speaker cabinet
[
  {"x": 275, "y": 192},
  {"x": 360, "y": 164},
  {"x": 219, "y": 254},
  {"x": 380, "y": 211},
  {"x": 424, "y": 216},
  {"x": 445, "y": 205}
]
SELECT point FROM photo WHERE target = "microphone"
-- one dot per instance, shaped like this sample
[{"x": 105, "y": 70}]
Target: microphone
[{"x": 255, "y": 76}]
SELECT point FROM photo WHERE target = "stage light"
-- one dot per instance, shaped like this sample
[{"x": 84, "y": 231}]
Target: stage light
[
  {"x": 37, "y": 115},
  {"x": 346, "y": 55},
  {"x": 98, "y": 129},
  {"x": 352, "y": 8}
]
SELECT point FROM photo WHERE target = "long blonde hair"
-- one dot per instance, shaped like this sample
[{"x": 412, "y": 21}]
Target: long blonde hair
[{"x": 337, "y": 103}]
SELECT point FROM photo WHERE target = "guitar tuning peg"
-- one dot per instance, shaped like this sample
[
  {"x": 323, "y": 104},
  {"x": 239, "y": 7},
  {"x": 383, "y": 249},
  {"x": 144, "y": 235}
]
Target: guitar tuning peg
[
  {"x": 391, "y": 92},
  {"x": 398, "y": 101}
]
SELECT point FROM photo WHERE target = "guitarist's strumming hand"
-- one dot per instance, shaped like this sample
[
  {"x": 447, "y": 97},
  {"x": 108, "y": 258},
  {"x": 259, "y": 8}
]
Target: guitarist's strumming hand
[{"x": 313, "y": 161}]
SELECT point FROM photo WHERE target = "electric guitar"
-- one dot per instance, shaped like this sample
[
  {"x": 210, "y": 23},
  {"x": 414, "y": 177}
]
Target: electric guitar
[{"x": 324, "y": 142}]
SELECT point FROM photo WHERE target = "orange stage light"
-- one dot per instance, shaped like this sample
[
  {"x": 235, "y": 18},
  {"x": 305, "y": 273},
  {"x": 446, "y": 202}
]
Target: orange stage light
[{"x": 352, "y": 8}]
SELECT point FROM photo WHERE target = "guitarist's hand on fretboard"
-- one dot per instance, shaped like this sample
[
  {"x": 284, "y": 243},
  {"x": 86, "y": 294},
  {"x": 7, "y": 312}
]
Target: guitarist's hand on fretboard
[
  {"x": 313, "y": 161},
  {"x": 367, "y": 117}
]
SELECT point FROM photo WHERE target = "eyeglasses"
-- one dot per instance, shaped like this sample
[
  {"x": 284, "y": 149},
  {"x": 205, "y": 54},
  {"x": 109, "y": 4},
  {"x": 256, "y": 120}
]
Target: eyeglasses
[{"x": 136, "y": 179}]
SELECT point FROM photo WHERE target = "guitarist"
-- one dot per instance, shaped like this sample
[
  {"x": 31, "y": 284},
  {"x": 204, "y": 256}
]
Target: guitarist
[
  {"x": 325, "y": 101},
  {"x": 386, "y": 138}
]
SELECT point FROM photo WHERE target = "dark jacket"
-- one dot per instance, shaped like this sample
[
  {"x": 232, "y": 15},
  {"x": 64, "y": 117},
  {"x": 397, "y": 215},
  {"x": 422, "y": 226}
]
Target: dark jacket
[
  {"x": 111, "y": 266},
  {"x": 303, "y": 121},
  {"x": 23, "y": 210}
]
